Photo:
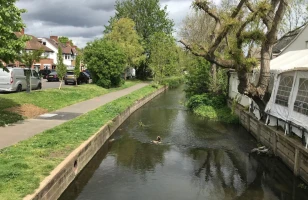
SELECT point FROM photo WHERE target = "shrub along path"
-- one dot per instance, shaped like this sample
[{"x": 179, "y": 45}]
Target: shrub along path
[{"x": 13, "y": 134}]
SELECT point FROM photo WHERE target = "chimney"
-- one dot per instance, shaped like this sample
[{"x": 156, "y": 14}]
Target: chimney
[
  {"x": 55, "y": 38},
  {"x": 68, "y": 44},
  {"x": 22, "y": 31}
]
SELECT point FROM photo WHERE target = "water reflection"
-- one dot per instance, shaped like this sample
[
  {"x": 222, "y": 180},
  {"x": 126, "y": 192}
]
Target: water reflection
[{"x": 197, "y": 160}]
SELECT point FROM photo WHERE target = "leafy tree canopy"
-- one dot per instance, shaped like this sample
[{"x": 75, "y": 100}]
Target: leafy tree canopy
[
  {"x": 106, "y": 61},
  {"x": 64, "y": 40},
  {"x": 164, "y": 57},
  {"x": 123, "y": 33},
  {"x": 61, "y": 68},
  {"x": 10, "y": 20},
  {"x": 148, "y": 16}
]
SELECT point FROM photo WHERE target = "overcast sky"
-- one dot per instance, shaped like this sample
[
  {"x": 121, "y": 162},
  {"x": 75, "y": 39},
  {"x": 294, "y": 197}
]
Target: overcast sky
[{"x": 81, "y": 20}]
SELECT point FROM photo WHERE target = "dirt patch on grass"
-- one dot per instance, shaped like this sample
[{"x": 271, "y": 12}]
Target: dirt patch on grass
[{"x": 27, "y": 110}]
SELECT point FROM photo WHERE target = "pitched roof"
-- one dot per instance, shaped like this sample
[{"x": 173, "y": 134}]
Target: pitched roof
[
  {"x": 285, "y": 40},
  {"x": 66, "y": 49},
  {"x": 33, "y": 43}
]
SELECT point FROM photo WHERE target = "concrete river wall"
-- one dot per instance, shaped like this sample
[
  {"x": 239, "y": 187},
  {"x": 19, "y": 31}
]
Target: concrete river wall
[
  {"x": 289, "y": 150},
  {"x": 61, "y": 177}
]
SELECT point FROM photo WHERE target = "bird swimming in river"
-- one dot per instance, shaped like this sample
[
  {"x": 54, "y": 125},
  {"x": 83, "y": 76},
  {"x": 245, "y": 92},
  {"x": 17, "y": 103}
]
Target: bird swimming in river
[{"x": 157, "y": 141}]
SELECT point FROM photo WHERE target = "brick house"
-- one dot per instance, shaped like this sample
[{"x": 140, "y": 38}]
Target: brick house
[{"x": 34, "y": 44}]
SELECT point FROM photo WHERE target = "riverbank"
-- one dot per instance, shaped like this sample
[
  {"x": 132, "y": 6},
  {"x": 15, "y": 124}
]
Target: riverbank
[
  {"x": 291, "y": 151},
  {"x": 28, "y": 163},
  {"x": 18, "y": 106}
]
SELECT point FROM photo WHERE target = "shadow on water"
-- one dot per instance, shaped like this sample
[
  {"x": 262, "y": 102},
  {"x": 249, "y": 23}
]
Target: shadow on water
[{"x": 197, "y": 159}]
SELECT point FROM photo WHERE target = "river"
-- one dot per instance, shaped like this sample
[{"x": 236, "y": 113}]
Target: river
[{"x": 197, "y": 159}]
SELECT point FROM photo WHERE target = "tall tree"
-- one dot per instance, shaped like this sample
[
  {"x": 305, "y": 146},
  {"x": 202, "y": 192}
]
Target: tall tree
[
  {"x": 149, "y": 18},
  {"x": 295, "y": 16},
  {"x": 28, "y": 57},
  {"x": 237, "y": 53},
  {"x": 61, "y": 68},
  {"x": 77, "y": 66},
  {"x": 164, "y": 57},
  {"x": 123, "y": 33},
  {"x": 10, "y": 20}
]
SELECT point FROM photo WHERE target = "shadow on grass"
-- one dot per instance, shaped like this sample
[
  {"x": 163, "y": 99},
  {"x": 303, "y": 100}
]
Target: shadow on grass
[{"x": 7, "y": 117}]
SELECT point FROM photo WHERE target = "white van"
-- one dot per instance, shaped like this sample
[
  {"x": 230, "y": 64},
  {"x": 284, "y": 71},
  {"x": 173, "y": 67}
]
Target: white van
[{"x": 15, "y": 80}]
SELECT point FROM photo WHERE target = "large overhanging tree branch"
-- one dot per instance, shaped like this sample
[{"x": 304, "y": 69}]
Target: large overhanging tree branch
[{"x": 246, "y": 12}]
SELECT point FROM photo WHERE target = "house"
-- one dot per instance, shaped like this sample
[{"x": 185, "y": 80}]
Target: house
[
  {"x": 69, "y": 52},
  {"x": 296, "y": 39},
  {"x": 34, "y": 44},
  {"x": 288, "y": 105}
]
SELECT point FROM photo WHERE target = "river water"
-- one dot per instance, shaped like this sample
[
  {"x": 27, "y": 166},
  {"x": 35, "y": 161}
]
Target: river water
[{"x": 197, "y": 159}]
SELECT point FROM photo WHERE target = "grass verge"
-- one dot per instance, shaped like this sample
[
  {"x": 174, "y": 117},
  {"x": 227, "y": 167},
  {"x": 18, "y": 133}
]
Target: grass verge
[
  {"x": 25, "y": 165},
  {"x": 51, "y": 99}
]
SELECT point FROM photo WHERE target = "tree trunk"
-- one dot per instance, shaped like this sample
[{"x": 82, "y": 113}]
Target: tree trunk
[
  {"x": 28, "y": 81},
  {"x": 60, "y": 84},
  {"x": 214, "y": 77}
]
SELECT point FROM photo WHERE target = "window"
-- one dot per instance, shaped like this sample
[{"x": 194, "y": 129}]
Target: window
[
  {"x": 35, "y": 74},
  {"x": 284, "y": 90},
  {"x": 301, "y": 102}
]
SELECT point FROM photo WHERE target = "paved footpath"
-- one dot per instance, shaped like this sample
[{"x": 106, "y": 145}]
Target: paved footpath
[{"x": 15, "y": 133}]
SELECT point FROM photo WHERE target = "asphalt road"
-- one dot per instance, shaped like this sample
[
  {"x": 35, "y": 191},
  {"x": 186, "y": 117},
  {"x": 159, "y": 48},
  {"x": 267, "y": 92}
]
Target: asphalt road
[{"x": 47, "y": 85}]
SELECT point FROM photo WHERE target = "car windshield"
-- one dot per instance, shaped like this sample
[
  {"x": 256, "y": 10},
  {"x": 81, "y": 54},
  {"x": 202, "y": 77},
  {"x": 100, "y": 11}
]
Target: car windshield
[
  {"x": 53, "y": 73},
  {"x": 69, "y": 73}
]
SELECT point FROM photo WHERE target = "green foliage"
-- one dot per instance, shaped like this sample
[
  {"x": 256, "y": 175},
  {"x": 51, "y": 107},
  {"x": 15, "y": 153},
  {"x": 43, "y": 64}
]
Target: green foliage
[
  {"x": 173, "y": 82},
  {"x": 64, "y": 40},
  {"x": 61, "y": 68},
  {"x": 124, "y": 34},
  {"x": 28, "y": 57},
  {"x": 215, "y": 101},
  {"x": 149, "y": 18},
  {"x": 222, "y": 114},
  {"x": 26, "y": 164},
  {"x": 10, "y": 20},
  {"x": 106, "y": 61},
  {"x": 198, "y": 77},
  {"x": 163, "y": 57}
]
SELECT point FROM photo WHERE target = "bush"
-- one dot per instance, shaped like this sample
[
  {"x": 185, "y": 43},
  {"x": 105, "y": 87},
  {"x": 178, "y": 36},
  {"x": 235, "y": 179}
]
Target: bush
[
  {"x": 173, "y": 82},
  {"x": 216, "y": 101},
  {"x": 213, "y": 107},
  {"x": 106, "y": 60},
  {"x": 223, "y": 114}
]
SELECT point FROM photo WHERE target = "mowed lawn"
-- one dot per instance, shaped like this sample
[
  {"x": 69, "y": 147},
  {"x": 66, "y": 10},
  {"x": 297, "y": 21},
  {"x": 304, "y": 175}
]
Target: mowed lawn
[{"x": 49, "y": 100}]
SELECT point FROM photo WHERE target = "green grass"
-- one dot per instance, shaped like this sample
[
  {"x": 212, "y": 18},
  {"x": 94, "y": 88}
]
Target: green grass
[
  {"x": 25, "y": 165},
  {"x": 51, "y": 99},
  {"x": 222, "y": 114}
]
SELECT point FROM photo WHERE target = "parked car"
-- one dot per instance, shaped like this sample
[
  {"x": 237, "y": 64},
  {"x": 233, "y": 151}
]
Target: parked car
[
  {"x": 15, "y": 79},
  {"x": 88, "y": 72},
  {"x": 70, "y": 78},
  {"x": 44, "y": 73},
  {"x": 53, "y": 76}
]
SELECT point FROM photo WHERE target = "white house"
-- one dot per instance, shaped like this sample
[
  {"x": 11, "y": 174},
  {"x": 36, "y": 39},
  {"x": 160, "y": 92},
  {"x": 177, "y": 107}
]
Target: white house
[
  {"x": 294, "y": 40},
  {"x": 69, "y": 52}
]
